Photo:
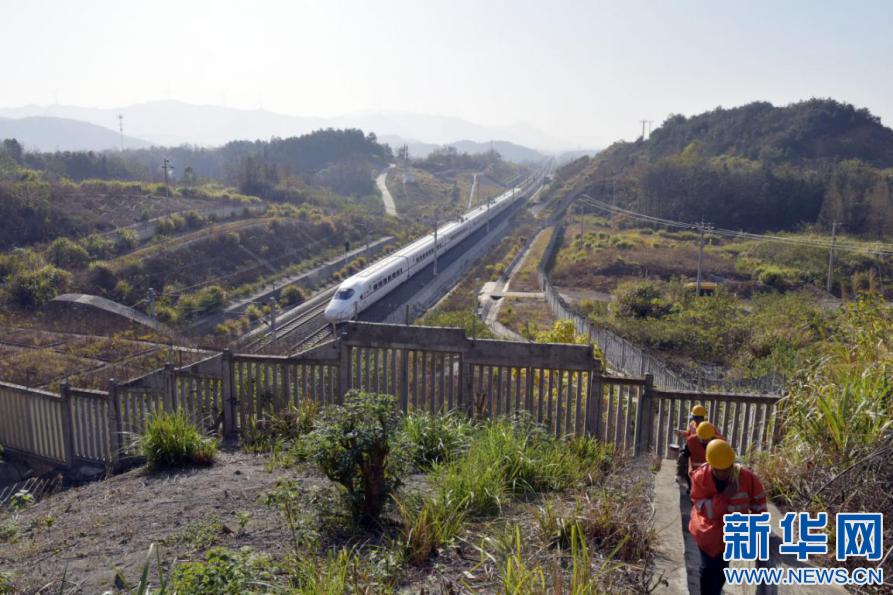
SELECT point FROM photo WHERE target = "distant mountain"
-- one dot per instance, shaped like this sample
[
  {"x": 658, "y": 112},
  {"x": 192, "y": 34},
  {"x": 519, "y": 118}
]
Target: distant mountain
[
  {"x": 174, "y": 123},
  {"x": 62, "y": 134},
  {"x": 508, "y": 151}
]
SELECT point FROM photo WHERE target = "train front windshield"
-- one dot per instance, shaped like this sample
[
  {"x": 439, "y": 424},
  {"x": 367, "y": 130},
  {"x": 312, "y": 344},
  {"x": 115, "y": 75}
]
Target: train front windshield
[{"x": 344, "y": 294}]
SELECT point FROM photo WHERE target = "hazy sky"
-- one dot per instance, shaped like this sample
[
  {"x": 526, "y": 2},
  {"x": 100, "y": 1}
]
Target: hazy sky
[{"x": 584, "y": 71}]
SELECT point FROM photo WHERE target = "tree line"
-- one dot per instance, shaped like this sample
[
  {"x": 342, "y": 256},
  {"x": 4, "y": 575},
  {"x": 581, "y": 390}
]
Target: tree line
[{"x": 756, "y": 168}]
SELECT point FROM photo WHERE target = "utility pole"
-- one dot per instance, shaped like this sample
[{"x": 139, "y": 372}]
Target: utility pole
[
  {"x": 273, "y": 306},
  {"x": 167, "y": 167},
  {"x": 121, "y": 129},
  {"x": 644, "y": 122},
  {"x": 702, "y": 227},
  {"x": 488, "y": 214},
  {"x": 150, "y": 299},
  {"x": 831, "y": 254}
]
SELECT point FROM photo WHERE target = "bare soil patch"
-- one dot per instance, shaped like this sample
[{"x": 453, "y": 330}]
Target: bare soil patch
[{"x": 89, "y": 533}]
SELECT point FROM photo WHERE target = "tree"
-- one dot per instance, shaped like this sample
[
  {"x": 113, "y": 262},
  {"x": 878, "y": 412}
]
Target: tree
[
  {"x": 14, "y": 149},
  {"x": 189, "y": 178},
  {"x": 66, "y": 254}
]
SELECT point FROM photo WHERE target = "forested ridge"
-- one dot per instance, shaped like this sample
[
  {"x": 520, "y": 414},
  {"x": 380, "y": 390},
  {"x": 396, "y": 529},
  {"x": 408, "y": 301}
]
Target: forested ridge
[
  {"x": 342, "y": 160},
  {"x": 756, "y": 167}
]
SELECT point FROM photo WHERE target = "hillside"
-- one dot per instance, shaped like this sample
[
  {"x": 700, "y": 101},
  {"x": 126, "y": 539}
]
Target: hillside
[
  {"x": 62, "y": 134},
  {"x": 341, "y": 161},
  {"x": 755, "y": 167},
  {"x": 817, "y": 129}
]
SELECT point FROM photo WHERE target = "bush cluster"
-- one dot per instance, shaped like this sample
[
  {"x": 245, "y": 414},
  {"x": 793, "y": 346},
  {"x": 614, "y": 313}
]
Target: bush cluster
[{"x": 171, "y": 440}]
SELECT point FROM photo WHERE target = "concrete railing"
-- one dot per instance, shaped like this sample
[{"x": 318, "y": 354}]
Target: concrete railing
[{"x": 426, "y": 368}]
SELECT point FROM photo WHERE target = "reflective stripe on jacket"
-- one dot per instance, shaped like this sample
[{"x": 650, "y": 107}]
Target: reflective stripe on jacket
[{"x": 744, "y": 493}]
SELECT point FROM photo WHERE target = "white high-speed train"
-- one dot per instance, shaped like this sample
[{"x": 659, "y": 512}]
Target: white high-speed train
[{"x": 360, "y": 291}]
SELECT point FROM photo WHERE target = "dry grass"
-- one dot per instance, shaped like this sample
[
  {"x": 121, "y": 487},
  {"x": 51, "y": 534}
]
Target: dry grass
[
  {"x": 526, "y": 316},
  {"x": 606, "y": 257},
  {"x": 43, "y": 359}
]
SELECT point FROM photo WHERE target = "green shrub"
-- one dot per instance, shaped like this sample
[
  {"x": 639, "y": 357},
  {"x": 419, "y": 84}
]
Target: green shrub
[
  {"x": 224, "y": 571},
  {"x": 66, "y": 254},
  {"x": 193, "y": 219},
  {"x": 292, "y": 295},
  {"x": 167, "y": 314},
  {"x": 777, "y": 277},
  {"x": 32, "y": 289},
  {"x": 509, "y": 457},
  {"x": 641, "y": 299},
  {"x": 287, "y": 425},
  {"x": 102, "y": 277},
  {"x": 171, "y": 440},
  {"x": 351, "y": 444},
  {"x": 432, "y": 439},
  {"x": 427, "y": 524},
  {"x": 210, "y": 298},
  {"x": 126, "y": 241},
  {"x": 253, "y": 312},
  {"x": 341, "y": 571}
]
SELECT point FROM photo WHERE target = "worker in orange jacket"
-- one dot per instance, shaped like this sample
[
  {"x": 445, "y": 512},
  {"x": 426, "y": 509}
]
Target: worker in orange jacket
[
  {"x": 698, "y": 413},
  {"x": 717, "y": 488},
  {"x": 696, "y": 446}
]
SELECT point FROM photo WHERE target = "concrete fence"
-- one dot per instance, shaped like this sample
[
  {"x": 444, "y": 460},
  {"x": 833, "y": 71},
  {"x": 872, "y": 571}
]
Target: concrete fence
[{"x": 426, "y": 368}]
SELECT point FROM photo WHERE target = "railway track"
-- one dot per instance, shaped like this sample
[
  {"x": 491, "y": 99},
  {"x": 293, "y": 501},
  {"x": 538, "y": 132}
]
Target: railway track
[{"x": 295, "y": 332}]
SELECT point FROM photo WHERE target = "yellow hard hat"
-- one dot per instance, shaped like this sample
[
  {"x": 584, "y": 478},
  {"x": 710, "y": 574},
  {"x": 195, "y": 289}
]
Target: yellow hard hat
[
  {"x": 719, "y": 454},
  {"x": 706, "y": 431},
  {"x": 699, "y": 411}
]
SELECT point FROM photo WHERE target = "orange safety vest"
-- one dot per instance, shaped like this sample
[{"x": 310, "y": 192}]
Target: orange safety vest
[
  {"x": 697, "y": 452},
  {"x": 744, "y": 494}
]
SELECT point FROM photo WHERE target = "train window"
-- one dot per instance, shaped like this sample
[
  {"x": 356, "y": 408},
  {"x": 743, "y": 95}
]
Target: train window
[{"x": 344, "y": 294}]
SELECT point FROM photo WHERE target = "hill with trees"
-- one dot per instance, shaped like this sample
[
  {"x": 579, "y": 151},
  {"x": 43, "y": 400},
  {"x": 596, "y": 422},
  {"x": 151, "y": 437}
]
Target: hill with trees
[
  {"x": 756, "y": 167},
  {"x": 344, "y": 161}
]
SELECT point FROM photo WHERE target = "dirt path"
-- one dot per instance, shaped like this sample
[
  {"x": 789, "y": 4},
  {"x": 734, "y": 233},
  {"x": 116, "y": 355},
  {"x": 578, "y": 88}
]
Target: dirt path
[{"x": 381, "y": 181}]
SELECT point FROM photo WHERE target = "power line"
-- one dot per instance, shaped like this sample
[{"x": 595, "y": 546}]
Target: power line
[{"x": 875, "y": 248}]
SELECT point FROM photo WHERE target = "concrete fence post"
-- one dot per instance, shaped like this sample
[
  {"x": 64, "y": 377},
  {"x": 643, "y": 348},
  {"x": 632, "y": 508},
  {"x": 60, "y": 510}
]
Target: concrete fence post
[
  {"x": 67, "y": 422},
  {"x": 594, "y": 401},
  {"x": 466, "y": 381},
  {"x": 228, "y": 395},
  {"x": 114, "y": 423},
  {"x": 645, "y": 416},
  {"x": 170, "y": 388},
  {"x": 343, "y": 371}
]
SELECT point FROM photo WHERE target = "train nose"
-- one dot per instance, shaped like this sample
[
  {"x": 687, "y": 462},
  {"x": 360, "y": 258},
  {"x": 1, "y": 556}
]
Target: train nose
[{"x": 335, "y": 313}]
